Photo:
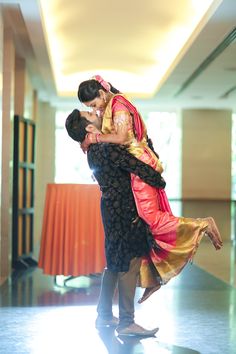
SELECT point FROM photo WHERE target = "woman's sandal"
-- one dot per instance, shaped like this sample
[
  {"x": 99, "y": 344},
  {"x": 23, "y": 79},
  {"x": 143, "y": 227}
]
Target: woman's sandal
[
  {"x": 148, "y": 292},
  {"x": 214, "y": 234}
]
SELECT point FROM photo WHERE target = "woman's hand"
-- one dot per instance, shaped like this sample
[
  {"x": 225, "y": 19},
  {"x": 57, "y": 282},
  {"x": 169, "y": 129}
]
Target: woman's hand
[{"x": 89, "y": 139}]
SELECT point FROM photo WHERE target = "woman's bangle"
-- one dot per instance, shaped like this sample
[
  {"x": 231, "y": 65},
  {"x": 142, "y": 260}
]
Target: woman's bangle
[{"x": 98, "y": 140}]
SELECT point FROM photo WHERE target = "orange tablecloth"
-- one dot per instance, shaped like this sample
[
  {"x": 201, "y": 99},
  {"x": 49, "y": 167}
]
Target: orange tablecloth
[{"x": 72, "y": 234}]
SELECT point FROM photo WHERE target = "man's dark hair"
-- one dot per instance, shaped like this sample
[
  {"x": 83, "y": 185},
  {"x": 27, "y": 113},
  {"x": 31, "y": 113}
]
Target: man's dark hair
[{"x": 76, "y": 126}]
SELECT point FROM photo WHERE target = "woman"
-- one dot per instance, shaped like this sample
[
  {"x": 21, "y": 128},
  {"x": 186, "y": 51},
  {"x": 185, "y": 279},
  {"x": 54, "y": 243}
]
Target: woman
[{"x": 177, "y": 238}]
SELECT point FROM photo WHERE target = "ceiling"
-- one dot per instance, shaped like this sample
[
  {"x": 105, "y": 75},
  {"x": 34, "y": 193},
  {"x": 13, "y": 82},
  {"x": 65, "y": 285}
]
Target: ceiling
[{"x": 162, "y": 55}]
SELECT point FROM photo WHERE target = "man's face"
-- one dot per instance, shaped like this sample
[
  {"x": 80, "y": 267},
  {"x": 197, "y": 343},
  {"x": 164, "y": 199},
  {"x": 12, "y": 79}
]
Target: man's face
[{"x": 93, "y": 118}]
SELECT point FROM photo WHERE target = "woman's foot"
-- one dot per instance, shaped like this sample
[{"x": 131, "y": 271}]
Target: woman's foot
[
  {"x": 148, "y": 292},
  {"x": 214, "y": 234}
]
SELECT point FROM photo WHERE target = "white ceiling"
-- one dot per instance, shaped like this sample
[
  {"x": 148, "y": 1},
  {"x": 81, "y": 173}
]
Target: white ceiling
[
  {"x": 129, "y": 43},
  {"x": 203, "y": 74}
]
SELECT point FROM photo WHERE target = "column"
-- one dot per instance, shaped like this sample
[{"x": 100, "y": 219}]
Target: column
[
  {"x": 19, "y": 98},
  {"x": 45, "y": 164},
  {"x": 6, "y": 176},
  {"x": 206, "y": 165}
]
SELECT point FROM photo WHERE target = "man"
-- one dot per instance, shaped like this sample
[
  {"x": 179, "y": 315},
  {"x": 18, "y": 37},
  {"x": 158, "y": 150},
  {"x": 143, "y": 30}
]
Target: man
[{"x": 127, "y": 237}]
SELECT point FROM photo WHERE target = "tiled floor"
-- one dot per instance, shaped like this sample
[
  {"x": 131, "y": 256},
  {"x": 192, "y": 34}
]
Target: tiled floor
[{"x": 195, "y": 312}]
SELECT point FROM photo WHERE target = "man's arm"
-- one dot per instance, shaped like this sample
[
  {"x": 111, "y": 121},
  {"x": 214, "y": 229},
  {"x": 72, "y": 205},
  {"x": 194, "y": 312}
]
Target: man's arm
[{"x": 123, "y": 159}]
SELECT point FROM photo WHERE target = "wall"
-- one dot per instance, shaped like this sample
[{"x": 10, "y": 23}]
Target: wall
[
  {"x": 19, "y": 97},
  {"x": 1, "y": 84},
  {"x": 7, "y": 144},
  {"x": 45, "y": 164},
  {"x": 206, "y": 166},
  {"x": 206, "y": 153}
]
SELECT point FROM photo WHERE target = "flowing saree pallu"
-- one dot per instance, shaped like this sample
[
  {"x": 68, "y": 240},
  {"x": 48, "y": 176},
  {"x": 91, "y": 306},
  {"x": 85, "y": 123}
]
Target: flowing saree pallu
[
  {"x": 138, "y": 124},
  {"x": 176, "y": 238}
]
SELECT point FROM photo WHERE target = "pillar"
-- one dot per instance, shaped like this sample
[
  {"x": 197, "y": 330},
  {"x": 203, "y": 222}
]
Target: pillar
[
  {"x": 7, "y": 142},
  {"x": 206, "y": 165}
]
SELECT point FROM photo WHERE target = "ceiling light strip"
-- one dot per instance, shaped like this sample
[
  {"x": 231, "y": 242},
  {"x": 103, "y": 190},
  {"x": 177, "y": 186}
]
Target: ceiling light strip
[
  {"x": 214, "y": 54},
  {"x": 227, "y": 93}
]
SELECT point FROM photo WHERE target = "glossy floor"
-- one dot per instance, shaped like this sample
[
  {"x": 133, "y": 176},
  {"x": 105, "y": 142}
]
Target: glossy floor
[{"x": 195, "y": 313}]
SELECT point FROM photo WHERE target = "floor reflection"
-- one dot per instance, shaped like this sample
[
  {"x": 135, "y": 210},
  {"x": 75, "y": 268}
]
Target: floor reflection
[
  {"x": 31, "y": 288},
  {"x": 133, "y": 345},
  {"x": 195, "y": 312}
]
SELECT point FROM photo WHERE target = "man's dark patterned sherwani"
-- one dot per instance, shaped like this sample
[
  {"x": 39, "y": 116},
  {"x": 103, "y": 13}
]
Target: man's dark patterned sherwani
[{"x": 126, "y": 235}]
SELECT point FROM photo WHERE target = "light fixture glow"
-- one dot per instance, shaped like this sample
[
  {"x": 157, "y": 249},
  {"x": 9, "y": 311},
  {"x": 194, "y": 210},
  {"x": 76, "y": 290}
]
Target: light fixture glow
[{"x": 170, "y": 44}]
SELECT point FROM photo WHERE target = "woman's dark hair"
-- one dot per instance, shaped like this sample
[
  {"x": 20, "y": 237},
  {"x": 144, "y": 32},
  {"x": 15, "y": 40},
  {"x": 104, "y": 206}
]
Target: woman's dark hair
[
  {"x": 76, "y": 126},
  {"x": 150, "y": 145},
  {"x": 88, "y": 90}
]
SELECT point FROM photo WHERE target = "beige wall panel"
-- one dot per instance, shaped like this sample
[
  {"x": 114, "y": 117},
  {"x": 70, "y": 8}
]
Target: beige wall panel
[
  {"x": 6, "y": 172},
  {"x": 206, "y": 154},
  {"x": 220, "y": 210},
  {"x": 1, "y": 85},
  {"x": 45, "y": 164},
  {"x": 19, "y": 99}
]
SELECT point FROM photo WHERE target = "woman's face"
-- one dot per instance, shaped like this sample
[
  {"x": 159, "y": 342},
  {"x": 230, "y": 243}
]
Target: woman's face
[{"x": 98, "y": 104}]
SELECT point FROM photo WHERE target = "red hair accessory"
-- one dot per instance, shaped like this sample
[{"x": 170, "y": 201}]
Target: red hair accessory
[{"x": 104, "y": 83}]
